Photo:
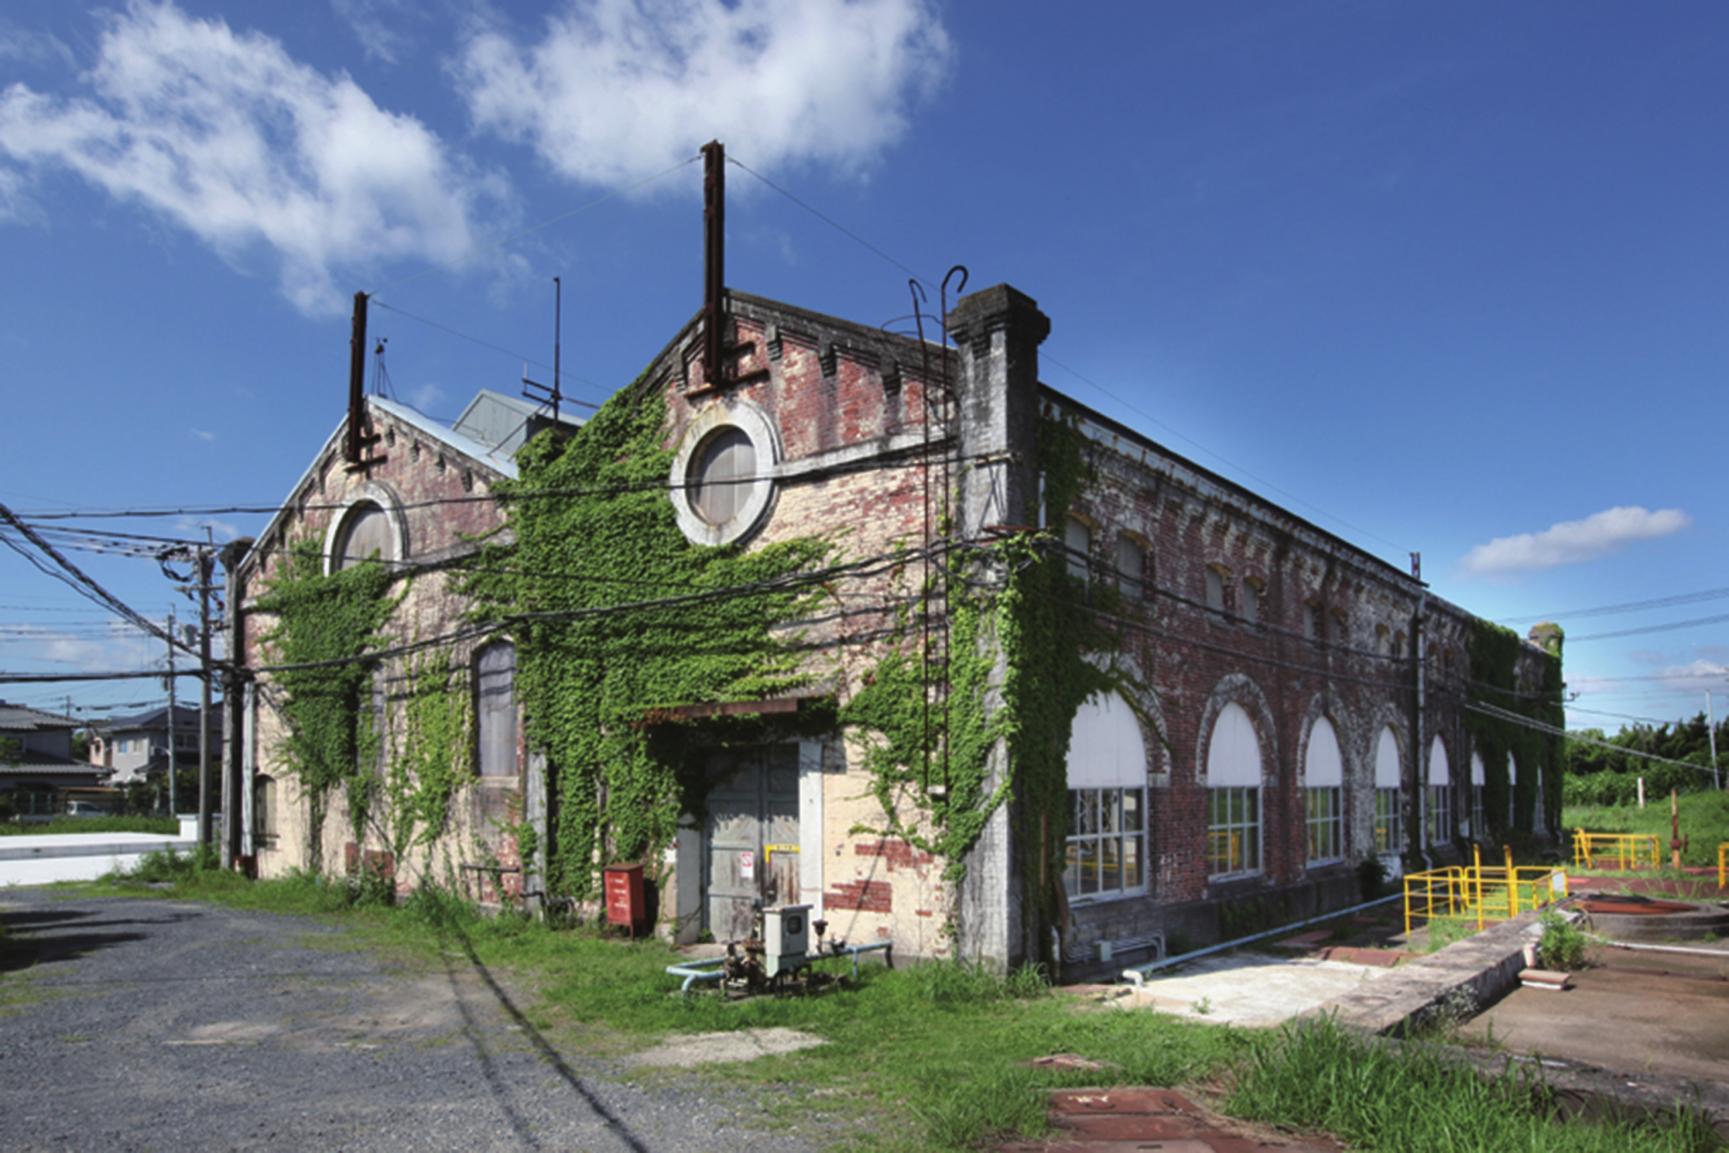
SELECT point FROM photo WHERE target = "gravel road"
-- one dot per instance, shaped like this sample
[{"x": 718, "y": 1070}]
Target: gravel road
[{"x": 153, "y": 1025}]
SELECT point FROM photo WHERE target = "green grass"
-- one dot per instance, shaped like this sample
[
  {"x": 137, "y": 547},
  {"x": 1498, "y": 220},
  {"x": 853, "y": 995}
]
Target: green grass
[
  {"x": 933, "y": 1057},
  {"x": 1704, "y": 822},
  {"x": 1417, "y": 1098},
  {"x": 166, "y": 826}
]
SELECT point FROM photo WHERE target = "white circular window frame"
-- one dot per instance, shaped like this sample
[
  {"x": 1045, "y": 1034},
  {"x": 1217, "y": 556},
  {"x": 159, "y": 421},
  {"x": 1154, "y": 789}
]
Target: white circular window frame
[
  {"x": 371, "y": 493},
  {"x": 754, "y": 423}
]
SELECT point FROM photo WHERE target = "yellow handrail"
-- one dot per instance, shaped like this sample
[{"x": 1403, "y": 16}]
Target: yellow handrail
[
  {"x": 1723, "y": 865},
  {"x": 1629, "y": 850},
  {"x": 1480, "y": 894}
]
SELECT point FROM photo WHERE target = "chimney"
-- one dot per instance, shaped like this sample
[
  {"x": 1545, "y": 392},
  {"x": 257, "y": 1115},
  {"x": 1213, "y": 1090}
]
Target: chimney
[{"x": 997, "y": 332}]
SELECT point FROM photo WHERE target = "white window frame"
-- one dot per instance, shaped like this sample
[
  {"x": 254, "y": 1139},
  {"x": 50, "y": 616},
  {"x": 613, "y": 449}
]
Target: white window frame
[
  {"x": 1237, "y": 828},
  {"x": 1107, "y": 776},
  {"x": 1109, "y": 827},
  {"x": 1234, "y": 802},
  {"x": 1389, "y": 794},
  {"x": 1324, "y": 794}
]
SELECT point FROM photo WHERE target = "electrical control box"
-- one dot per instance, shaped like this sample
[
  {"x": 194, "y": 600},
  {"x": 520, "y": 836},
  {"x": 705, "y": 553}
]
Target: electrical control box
[{"x": 785, "y": 938}]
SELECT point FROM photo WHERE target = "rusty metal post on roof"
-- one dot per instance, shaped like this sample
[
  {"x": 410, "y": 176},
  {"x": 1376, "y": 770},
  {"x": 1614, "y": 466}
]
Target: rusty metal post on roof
[
  {"x": 714, "y": 259},
  {"x": 356, "y": 381}
]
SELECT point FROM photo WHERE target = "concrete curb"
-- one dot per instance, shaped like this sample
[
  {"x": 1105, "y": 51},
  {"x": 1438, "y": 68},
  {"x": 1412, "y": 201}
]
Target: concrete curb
[{"x": 1486, "y": 967}]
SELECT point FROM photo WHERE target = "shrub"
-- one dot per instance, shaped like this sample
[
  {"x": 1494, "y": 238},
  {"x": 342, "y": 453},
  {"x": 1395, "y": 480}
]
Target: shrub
[{"x": 1562, "y": 945}]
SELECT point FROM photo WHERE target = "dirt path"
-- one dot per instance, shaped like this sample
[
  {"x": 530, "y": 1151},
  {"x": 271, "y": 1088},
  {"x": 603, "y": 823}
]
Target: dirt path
[{"x": 149, "y": 1025}]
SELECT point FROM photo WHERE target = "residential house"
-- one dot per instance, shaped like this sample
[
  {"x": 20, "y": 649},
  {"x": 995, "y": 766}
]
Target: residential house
[
  {"x": 135, "y": 748},
  {"x": 36, "y": 761}
]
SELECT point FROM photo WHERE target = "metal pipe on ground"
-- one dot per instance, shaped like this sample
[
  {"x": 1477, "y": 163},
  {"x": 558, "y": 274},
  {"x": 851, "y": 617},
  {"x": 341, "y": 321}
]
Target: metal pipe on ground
[{"x": 1138, "y": 974}]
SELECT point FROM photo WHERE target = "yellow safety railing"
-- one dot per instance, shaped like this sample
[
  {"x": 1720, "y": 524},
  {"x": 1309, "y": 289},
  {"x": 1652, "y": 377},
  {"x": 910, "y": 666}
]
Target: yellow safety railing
[
  {"x": 1480, "y": 895},
  {"x": 1620, "y": 851},
  {"x": 1723, "y": 865}
]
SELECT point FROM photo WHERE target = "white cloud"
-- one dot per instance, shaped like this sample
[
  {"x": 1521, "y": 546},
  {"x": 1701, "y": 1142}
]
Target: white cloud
[
  {"x": 24, "y": 46},
  {"x": 378, "y": 25},
  {"x": 226, "y": 135},
  {"x": 1572, "y": 541},
  {"x": 204, "y": 435},
  {"x": 117, "y": 647},
  {"x": 615, "y": 90},
  {"x": 426, "y": 397}
]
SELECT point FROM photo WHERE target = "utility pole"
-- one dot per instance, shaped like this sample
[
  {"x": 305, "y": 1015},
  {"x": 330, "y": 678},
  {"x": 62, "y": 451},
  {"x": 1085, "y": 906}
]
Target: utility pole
[
  {"x": 173, "y": 797},
  {"x": 1711, "y": 732},
  {"x": 206, "y": 564}
]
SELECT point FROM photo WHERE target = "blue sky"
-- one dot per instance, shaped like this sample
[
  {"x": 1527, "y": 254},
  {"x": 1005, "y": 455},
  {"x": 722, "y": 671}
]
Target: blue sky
[{"x": 1442, "y": 278}]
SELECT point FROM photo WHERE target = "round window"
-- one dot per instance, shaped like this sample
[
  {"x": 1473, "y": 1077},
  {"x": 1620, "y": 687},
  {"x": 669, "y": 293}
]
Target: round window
[
  {"x": 722, "y": 475},
  {"x": 366, "y": 534}
]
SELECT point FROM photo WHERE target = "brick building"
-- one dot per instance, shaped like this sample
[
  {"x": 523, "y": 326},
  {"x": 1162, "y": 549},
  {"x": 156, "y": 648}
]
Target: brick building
[{"x": 1297, "y": 708}]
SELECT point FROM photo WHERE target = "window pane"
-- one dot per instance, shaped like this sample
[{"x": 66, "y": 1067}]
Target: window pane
[
  {"x": 1072, "y": 869},
  {"x": 1110, "y": 806},
  {"x": 1110, "y": 864},
  {"x": 1132, "y": 820},
  {"x": 1089, "y": 822},
  {"x": 1130, "y": 569},
  {"x": 1251, "y": 603},
  {"x": 720, "y": 481},
  {"x": 1078, "y": 540},
  {"x": 495, "y": 709},
  {"x": 1215, "y": 591},
  {"x": 365, "y": 534}
]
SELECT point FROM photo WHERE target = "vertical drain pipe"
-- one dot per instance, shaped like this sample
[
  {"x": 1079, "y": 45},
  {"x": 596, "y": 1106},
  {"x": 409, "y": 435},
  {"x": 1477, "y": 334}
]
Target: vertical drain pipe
[{"x": 1420, "y": 652}]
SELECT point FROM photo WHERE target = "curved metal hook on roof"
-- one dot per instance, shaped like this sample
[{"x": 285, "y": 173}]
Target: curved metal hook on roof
[{"x": 959, "y": 288}]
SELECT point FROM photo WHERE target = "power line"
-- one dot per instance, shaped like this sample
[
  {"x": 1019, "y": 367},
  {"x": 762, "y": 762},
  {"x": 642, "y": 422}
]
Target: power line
[
  {"x": 1670, "y": 627},
  {"x": 832, "y": 222},
  {"x": 85, "y": 584},
  {"x": 1627, "y": 607},
  {"x": 1513, "y": 718}
]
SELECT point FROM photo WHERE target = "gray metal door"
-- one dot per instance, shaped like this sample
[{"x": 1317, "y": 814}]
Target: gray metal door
[{"x": 751, "y": 837}]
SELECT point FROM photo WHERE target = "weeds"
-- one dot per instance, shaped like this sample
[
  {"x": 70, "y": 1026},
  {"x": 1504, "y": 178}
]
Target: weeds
[
  {"x": 1562, "y": 945},
  {"x": 1414, "y": 1098}
]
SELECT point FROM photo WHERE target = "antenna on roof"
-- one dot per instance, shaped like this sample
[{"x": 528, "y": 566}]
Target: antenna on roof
[{"x": 542, "y": 393}]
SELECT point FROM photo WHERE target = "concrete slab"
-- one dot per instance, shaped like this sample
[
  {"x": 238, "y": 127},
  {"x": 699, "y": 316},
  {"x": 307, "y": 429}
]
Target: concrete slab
[
  {"x": 1468, "y": 973},
  {"x": 715, "y": 1048},
  {"x": 1251, "y": 988},
  {"x": 1636, "y": 1013}
]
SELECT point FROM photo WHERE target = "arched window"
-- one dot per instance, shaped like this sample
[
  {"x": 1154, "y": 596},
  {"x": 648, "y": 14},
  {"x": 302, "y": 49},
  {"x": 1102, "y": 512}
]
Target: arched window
[
  {"x": 721, "y": 475},
  {"x": 1389, "y": 804},
  {"x": 1078, "y": 544},
  {"x": 366, "y": 533},
  {"x": 1323, "y": 793},
  {"x": 1439, "y": 810},
  {"x": 1106, "y": 850},
  {"x": 1479, "y": 825},
  {"x": 1233, "y": 795},
  {"x": 495, "y": 709}
]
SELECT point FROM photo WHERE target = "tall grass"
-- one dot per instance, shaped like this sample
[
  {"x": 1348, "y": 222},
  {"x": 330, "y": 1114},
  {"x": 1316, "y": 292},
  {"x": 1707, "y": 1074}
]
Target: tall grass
[
  {"x": 1417, "y": 1098},
  {"x": 1704, "y": 822}
]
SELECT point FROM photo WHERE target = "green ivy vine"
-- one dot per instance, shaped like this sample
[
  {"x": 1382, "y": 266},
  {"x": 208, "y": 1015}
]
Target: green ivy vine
[
  {"x": 589, "y": 680},
  {"x": 328, "y": 622},
  {"x": 1494, "y": 656},
  {"x": 435, "y": 755},
  {"x": 1015, "y": 609}
]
